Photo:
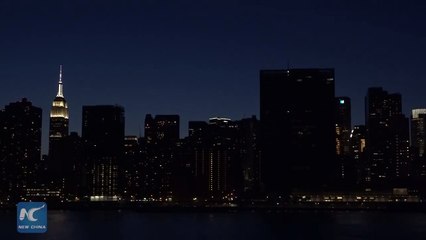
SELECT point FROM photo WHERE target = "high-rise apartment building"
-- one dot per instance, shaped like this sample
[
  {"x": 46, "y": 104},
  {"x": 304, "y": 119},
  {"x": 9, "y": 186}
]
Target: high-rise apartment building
[
  {"x": 20, "y": 148},
  {"x": 387, "y": 139}
]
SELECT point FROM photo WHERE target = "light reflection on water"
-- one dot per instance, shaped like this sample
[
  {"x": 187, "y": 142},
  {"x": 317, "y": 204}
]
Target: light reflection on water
[{"x": 241, "y": 225}]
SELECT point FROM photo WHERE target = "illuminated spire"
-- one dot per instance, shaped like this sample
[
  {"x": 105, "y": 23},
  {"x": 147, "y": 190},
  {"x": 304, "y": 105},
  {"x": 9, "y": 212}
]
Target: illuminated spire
[{"x": 60, "y": 87}]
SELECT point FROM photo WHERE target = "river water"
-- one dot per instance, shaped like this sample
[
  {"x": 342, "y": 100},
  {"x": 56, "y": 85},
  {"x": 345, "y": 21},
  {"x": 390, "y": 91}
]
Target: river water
[{"x": 125, "y": 224}]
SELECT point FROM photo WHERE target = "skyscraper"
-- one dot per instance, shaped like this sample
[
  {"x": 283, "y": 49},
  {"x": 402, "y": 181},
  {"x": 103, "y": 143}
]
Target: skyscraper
[
  {"x": 248, "y": 147},
  {"x": 196, "y": 157},
  {"x": 215, "y": 158},
  {"x": 418, "y": 141},
  {"x": 343, "y": 131},
  {"x": 297, "y": 129},
  {"x": 58, "y": 130},
  {"x": 343, "y": 124},
  {"x": 132, "y": 168},
  {"x": 58, "y": 127},
  {"x": 222, "y": 159},
  {"x": 20, "y": 138},
  {"x": 103, "y": 139},
  {"x": 161, "y": 136},
  {"x": 400, "y": 151},
  {"x": 387, "y": 139},
  {"x": 357, "y": 142},
  {"x": 418, "y": 130},
  {"x": 73, "y": 169}
]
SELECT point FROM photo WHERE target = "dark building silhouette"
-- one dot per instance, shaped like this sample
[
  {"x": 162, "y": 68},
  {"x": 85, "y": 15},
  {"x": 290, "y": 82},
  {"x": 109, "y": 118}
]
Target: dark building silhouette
[
  {"x": 161, "y": 139},
  {"x": 73, "y": 167},
  {"x": 298, "y": 144},
  {"x": 418, "y": 131},
  {"x": 418, "y": 141},
  {"x": 400, "y": 147},
  {"x": 58, "y": 130},
  {"x": 387, "y": 139},
  {"x": 195, "y": 160},
  {"x": 249, "y": 152},
  {"x": 357, "y": 143},
  {"x": 161, "y": 128},
  {"x": 20, "y": 144},
  {"x": 213, "y": 153},
  {"x": 103, "y": 139},
  {"x": 223, "y": 172},
  {"x": 133, "y": 169},
  {"x": 343, "y": 125},
  {"x": 70, "y": 177},
  {"x": 343, "y": 148}
]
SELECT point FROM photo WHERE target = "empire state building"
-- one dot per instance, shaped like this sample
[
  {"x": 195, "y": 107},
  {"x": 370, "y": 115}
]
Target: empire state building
[{"x": 58, "y": 127}]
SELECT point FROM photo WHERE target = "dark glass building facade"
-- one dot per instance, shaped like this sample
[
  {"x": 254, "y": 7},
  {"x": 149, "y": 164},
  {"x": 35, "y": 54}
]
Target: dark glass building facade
[{"x": 298, "y": 144}]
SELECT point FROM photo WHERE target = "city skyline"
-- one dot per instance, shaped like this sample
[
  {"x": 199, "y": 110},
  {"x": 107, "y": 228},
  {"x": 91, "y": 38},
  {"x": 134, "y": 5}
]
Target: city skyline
[
  {"x": 301, "y": 144},
  {"x": 158, "y": 58},
  {"x": 183, "y": 127}
]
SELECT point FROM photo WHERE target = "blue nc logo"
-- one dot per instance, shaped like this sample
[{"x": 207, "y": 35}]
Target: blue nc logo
[{"x": 31, "y": 217}]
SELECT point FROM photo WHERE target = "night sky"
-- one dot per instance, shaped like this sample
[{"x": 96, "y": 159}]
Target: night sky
[{"x": 200, "y": 58}]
